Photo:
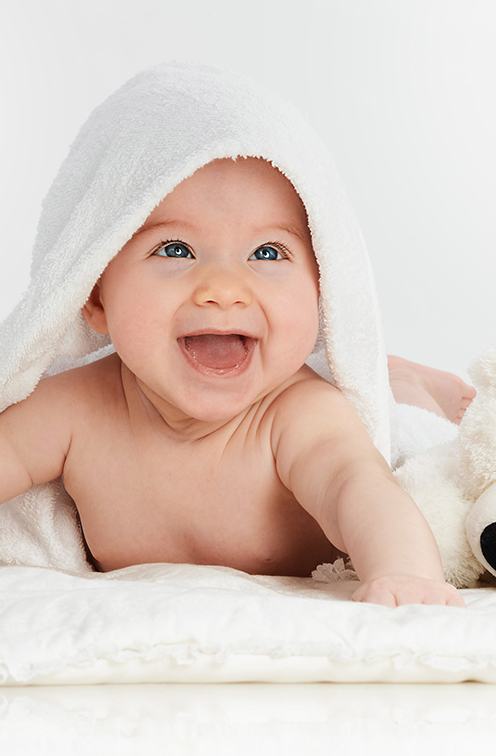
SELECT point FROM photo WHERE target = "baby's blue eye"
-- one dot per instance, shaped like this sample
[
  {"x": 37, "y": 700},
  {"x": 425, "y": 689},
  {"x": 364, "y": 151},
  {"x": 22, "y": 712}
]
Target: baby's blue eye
[
  {"x": 266, "y": 252},
  {"x": 174, "y": 249}
]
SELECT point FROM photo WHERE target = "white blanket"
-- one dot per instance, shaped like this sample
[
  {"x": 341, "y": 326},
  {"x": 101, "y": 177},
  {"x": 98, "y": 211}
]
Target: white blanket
[{"x": 197, "y": 623}]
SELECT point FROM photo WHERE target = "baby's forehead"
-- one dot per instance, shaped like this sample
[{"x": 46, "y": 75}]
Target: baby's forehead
[{"x": 240, "y": 190}]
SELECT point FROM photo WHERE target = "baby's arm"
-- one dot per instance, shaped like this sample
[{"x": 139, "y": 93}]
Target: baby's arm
[
  {"x": 389, "y": 541},
  {"x": 35, "y": 436},
  {"x": 324, "y": 455}
]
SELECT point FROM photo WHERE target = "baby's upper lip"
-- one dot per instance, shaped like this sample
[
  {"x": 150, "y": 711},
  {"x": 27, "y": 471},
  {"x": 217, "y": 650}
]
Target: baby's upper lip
[{"x": 239, "y": 331}]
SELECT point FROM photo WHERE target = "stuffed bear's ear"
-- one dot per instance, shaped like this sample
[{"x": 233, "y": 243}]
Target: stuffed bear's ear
[
  {"x": 477, "y": 430},
  {"x": 483, "y": 370},
  {"x": 93, "y": 311}
]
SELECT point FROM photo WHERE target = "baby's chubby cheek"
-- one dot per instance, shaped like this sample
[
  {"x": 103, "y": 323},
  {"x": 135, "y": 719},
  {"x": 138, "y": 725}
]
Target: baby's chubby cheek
[{"x": 298, "y": 323}]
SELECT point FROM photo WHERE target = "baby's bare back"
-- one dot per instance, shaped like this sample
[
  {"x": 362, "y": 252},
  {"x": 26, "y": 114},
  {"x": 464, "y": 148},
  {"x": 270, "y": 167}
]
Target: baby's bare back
[{"x": 144, "y": 497}]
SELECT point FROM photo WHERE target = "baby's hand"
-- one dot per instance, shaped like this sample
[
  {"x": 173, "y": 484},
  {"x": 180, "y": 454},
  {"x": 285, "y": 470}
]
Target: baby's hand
[{"x": 393, "y": 590}]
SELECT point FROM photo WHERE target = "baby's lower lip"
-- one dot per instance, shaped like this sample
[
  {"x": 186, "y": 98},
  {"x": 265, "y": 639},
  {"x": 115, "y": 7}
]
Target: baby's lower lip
[{"x": 228, "y": 372}]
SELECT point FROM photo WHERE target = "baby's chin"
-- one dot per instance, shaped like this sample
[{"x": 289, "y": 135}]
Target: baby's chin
[
  {"x": 221, "y": 411},
  {"x": 194, "y": 414}
]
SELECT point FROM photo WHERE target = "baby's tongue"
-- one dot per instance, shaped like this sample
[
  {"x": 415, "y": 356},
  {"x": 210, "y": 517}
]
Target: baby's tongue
[{"x": 215, "y": 350}]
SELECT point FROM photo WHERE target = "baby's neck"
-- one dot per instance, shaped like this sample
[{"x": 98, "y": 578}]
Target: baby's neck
[{"x": 169, "y": 419}]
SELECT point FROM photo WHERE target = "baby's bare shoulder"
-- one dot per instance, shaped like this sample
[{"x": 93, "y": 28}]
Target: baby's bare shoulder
[
  {"x": 314, "y": 424},
  {"x": 308, "y": 405},
  {"x": 97, "y": 383},
  {"x": 36, "y": 434}
]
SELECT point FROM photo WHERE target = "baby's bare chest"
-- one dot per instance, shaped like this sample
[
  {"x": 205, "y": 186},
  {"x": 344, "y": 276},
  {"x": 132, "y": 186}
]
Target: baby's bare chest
[
  {"x": 143, "y": 502},
  {"x": 143, "y": 498}
]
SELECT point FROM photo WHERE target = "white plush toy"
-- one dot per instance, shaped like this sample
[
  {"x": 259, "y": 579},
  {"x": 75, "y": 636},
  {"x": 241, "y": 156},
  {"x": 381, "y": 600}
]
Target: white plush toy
[{"x": 454, "y": 484}]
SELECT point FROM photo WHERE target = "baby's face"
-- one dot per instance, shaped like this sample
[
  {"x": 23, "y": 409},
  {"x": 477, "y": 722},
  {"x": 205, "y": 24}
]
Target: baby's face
[{"x": 212, "y": 255}]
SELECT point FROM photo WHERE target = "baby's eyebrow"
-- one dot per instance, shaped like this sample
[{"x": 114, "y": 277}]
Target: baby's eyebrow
[{"x": 289, "y": 228}]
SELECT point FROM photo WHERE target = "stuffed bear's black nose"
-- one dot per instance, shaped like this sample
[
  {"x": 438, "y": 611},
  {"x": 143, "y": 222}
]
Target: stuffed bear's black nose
[{"x": 488, "y": 544}]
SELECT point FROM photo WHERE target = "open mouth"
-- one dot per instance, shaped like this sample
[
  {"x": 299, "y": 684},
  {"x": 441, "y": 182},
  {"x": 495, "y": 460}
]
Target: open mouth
[{"x": 218, "y": 354}]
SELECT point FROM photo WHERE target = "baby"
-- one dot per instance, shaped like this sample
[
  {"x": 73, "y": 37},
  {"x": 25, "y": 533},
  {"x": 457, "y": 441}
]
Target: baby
[{"x": 205, "y": 437}]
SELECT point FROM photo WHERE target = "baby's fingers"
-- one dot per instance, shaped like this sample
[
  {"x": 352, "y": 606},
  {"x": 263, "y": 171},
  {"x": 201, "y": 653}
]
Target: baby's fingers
[
  {"x": 454, "y": 597},
  {"x": 389, "y": 592},
  {"x": 449, "y": 596}
]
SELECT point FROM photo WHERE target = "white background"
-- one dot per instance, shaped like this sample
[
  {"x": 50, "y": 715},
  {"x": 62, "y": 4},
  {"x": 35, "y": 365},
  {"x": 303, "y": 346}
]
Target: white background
[{"x": 403, "y": 91}]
